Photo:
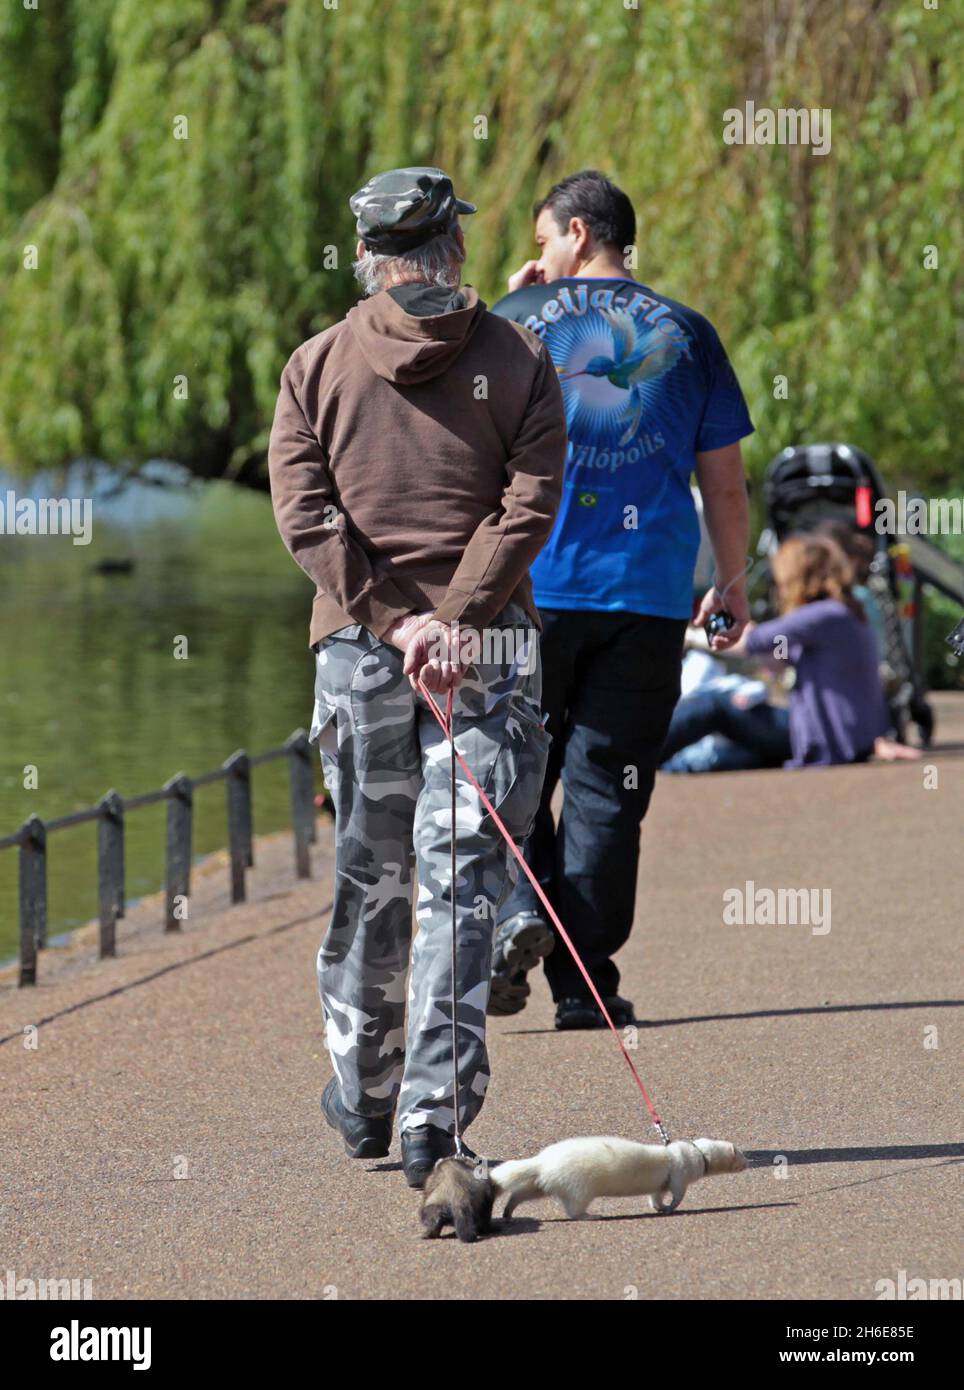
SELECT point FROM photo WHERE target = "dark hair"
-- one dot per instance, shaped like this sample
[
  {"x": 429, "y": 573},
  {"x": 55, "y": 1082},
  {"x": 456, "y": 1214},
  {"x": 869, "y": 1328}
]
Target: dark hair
[{"x": 604, "y": 208}]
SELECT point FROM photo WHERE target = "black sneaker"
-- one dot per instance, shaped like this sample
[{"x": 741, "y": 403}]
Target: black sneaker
[
  {"x": 521, "y": 942},
  {"x": 577, "y": 1013},
  {"x": 422, "y": 1147},
  {"x": 585, "y": 1013},
  {"x": 365, "y": 1136},
  {"x": 508, "y": 994}
]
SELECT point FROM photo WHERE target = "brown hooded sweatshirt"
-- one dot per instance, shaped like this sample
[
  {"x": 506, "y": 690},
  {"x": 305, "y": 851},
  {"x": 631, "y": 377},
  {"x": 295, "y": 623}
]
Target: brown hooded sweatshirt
[{"x": 416, "y": 462}]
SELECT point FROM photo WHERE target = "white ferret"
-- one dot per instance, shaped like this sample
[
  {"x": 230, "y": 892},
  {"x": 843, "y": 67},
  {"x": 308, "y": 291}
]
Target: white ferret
[{"x": 577, "y": 1171}]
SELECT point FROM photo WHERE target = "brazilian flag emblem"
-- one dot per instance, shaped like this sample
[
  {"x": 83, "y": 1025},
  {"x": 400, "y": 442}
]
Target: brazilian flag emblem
[{"x": 588, "y": 499}]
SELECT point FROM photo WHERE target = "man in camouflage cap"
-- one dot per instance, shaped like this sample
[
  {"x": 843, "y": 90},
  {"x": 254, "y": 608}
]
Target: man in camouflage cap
[
  {"x": 416, "y": 501},
  {"x": 404, "y": 208}
]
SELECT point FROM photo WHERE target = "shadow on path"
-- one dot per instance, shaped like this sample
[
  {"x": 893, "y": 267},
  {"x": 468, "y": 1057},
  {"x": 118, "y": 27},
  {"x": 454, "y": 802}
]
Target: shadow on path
[
  {"x": 771, "y": 1013},
  {"x": 759, "y": 1158},
  {"x": 165, "y": 970}
]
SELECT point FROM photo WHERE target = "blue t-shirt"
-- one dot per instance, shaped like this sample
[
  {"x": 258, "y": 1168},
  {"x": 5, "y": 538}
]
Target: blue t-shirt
[{"x": 647, "y": 384}]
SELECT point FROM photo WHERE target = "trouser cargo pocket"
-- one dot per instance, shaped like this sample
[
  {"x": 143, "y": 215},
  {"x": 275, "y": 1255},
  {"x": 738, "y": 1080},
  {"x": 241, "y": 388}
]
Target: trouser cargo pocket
[
  {"x": 336, "y": 657},
  {"x": 515, "y": 786}
]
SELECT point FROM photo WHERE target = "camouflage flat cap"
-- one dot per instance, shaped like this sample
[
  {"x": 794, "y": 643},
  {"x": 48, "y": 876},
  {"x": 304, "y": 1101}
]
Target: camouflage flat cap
[{"x": 403, "y": 208}]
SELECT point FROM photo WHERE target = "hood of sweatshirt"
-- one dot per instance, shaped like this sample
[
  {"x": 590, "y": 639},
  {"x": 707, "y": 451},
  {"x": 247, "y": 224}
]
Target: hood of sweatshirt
[{"x": 409, "y": 347}]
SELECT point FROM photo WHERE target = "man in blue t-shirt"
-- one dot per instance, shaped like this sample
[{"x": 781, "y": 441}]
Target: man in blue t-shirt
[{"x": 650, "y": 398}]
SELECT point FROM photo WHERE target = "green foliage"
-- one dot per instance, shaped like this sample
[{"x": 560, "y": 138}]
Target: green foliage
[
  {"x": 161, "y": 258},
  {"x": 32, "y": 57}
]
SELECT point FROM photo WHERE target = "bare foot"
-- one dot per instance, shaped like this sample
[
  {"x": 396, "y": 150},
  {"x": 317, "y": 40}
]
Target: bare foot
[{"x": 890, "y": 752}]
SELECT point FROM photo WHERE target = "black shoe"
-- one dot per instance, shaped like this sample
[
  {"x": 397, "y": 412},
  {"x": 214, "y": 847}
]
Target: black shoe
[
  {"x": 577, "y": 1013},
  {"x": 422, "y": 1147},
  {"x": 521, "y": 942},
  {"x": 365, "y": 1136},
  {"x": 621, "y": 1011},
  {"x": 508, "y": 994},
  {"x": 585, "y": 1013}
]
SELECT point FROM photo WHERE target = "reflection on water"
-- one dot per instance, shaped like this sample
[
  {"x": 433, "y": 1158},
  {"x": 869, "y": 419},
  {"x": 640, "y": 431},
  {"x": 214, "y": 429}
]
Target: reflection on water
[{"x": 91, "y": 693}]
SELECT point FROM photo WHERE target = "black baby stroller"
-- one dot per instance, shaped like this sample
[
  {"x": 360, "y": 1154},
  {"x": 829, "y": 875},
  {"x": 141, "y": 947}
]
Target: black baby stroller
[{"x": 815, "y": 483}]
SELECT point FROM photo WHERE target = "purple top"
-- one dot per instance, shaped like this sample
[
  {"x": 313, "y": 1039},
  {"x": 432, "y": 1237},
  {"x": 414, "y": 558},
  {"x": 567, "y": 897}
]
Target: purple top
[{"x": 837, "y": 706}]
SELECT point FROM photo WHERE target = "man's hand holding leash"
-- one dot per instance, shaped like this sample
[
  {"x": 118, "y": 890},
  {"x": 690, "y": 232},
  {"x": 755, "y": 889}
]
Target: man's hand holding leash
[{"x": 435, "y": 652}]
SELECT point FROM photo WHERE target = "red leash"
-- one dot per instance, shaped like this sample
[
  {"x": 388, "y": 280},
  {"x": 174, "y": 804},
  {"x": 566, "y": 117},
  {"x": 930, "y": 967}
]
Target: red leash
[{"x": 446, "y": 726}]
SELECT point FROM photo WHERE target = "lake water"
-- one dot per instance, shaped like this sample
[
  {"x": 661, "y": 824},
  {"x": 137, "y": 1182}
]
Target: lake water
[{"x": 91, "y": 693}]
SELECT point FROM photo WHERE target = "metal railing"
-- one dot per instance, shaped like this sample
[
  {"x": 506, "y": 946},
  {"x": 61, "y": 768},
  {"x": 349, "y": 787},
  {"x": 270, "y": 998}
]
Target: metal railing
[{"x": 110, "y": 813}]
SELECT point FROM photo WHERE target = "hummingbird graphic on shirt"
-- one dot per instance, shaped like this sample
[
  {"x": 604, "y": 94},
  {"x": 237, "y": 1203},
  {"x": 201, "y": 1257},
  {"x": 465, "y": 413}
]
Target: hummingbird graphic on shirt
[{"x": 637, "y": 358}]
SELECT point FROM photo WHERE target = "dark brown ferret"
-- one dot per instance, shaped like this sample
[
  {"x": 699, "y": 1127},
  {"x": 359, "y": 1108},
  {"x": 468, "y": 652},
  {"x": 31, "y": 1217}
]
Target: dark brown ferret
[{"x": 459, "y": 1193}]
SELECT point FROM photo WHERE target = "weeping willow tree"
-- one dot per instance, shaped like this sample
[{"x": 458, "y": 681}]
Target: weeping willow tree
[{"x": 174, "y": 181}]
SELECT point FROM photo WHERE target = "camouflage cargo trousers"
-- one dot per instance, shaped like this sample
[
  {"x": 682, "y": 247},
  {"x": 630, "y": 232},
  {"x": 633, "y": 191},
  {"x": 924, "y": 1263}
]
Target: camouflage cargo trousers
[{"x": 387, "y": 765}]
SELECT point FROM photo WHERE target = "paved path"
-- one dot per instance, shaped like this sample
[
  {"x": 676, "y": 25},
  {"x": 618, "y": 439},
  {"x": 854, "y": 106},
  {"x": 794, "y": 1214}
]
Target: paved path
[{"x": 203, "y": 1054}]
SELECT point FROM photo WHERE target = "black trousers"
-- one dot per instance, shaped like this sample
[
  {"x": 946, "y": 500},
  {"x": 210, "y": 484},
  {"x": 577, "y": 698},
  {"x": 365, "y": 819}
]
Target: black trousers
[{"x": 609, "y": 685}]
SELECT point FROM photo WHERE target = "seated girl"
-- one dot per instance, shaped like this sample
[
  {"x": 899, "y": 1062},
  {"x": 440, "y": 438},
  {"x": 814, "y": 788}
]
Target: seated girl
[{"x": 837, "y": 709}]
